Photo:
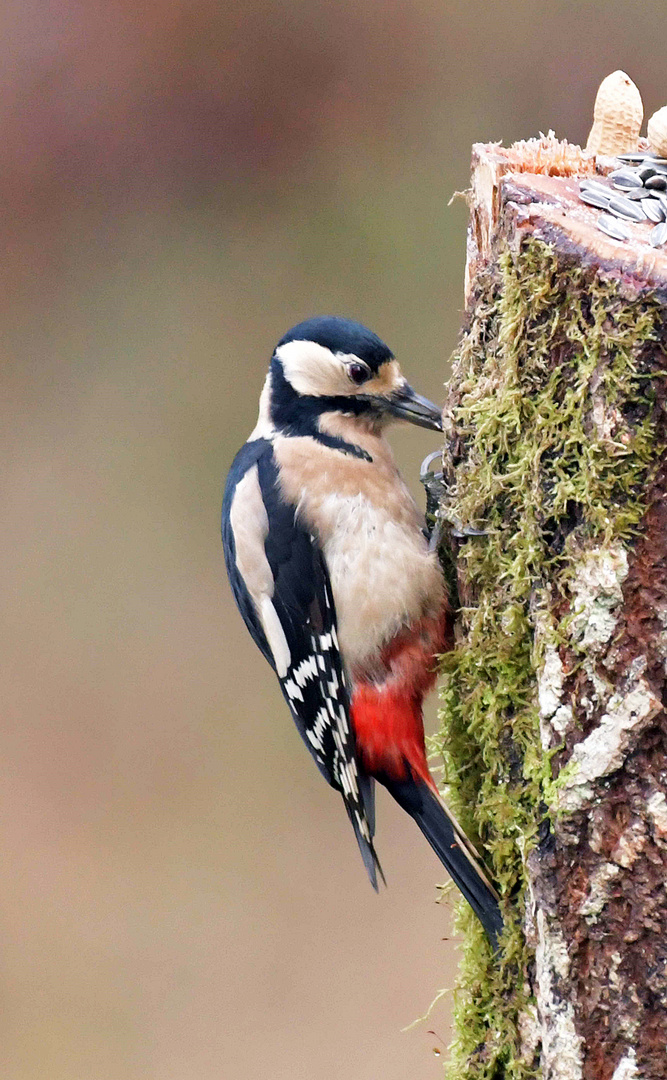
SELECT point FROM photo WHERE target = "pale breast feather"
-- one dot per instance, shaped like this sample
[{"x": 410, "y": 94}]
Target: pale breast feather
[{"x": 383, "y": 576}]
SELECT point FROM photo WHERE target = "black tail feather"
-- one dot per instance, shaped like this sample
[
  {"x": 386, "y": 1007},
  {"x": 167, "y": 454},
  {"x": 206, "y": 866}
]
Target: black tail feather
[
  {"x": 368, "y": 854},
  {"x": 452, "y": 847},
  {"x": 366, "y": 847}
]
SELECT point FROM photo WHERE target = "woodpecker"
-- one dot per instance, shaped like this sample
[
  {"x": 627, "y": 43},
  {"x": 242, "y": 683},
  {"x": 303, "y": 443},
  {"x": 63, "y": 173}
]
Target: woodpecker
[{"x": 329, "y": 562}]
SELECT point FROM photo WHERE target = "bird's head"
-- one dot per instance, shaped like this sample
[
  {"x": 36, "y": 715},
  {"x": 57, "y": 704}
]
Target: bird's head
[{"x": 332, "y": 365}]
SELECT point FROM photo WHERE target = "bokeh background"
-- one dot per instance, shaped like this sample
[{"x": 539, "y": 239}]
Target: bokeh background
[{"x": 181, "y": 897}]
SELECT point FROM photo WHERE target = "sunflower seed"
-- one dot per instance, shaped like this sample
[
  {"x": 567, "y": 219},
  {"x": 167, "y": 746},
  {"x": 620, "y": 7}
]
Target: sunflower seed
[
  {"x": 656, "y": 182},
  {"x": 622, "y": 207},
  {"x": 638, "y": 158},
  {"x": 654, "y": 210},
  {"x": 661, "y": 197},
  {"x": 625, "y": 178},
  {"x": 595, "y": 198},
  {"x": 613, "y": 228},
  {"x": 637, "y": 194},
  {"x": 645, "y": 173},
  {"x": 593, "y": 185},
  {"x": 658, "y": 234}
]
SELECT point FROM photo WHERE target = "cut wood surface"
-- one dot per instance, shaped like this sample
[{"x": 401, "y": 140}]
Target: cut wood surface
[
  {"x": 533, "y": 187},
  {"x": 554, "y": 723}
]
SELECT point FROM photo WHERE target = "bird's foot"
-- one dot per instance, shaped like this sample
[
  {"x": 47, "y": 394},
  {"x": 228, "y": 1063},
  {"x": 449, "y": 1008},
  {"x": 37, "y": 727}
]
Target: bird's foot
[{"x": 435, "y": 487}]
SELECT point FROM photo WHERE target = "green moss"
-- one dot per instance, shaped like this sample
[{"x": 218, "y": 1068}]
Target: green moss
[{"x": 556, "y": 418}]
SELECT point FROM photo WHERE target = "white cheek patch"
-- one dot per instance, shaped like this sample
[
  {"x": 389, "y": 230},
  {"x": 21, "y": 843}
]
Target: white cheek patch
[{"x": 314, "y": 370}]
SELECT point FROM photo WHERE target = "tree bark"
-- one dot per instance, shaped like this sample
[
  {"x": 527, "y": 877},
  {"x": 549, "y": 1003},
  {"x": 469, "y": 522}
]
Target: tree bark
[{"x": 554, "y": 724}]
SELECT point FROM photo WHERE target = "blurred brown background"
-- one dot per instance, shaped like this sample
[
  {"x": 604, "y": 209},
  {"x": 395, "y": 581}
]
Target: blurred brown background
[{"x": 181, "y": 897}]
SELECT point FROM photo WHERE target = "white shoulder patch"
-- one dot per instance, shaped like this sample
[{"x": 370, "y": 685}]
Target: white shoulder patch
[
  {"x": 275, "y": 635},
  {"x": 250, "y": 526}
]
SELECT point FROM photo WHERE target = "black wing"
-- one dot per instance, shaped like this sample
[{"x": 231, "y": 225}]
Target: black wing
[{"x": 294, "y": 625}]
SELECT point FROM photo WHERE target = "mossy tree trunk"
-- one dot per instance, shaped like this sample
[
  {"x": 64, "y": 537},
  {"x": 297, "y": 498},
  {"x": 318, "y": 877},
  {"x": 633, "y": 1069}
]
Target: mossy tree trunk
[{"x": 554, "y": 724}]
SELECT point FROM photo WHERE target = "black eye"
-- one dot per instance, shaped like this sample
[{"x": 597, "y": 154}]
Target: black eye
[{"x": 358, "y": 373}]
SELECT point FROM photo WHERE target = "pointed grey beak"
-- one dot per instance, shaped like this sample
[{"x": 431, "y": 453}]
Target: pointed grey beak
[{"x": 407, "y": 404}]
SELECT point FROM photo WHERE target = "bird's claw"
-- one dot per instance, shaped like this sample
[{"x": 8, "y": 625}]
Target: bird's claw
[
  {"x": 460, "y": 531},
  {"x": 434, "y": 482},
  {"x": 425, "y": 468}
]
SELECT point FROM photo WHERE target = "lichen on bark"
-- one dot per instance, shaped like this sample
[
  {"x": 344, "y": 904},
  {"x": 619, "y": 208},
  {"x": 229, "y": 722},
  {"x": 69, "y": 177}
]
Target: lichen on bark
[{"x": 555, "y": 433}]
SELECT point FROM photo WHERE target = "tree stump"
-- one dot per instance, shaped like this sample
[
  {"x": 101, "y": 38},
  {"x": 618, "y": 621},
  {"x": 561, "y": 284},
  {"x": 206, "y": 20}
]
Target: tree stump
[{"x": 554, "y": 724}]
